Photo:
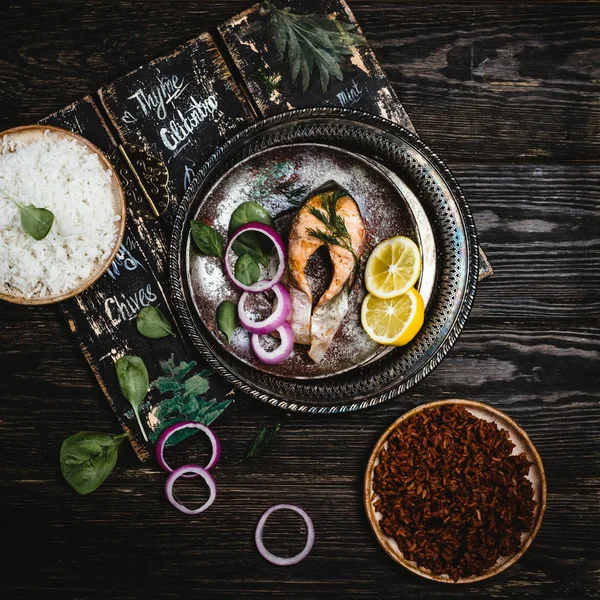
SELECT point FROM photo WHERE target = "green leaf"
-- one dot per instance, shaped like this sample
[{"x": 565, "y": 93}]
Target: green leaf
[
  {"x": 249, "y": 212},
  {"x": 196, "y": 385},
  {"x": 313, "y": 41},
  {"x": 35, "y": 221},
  {"x": 207, "y": 239},
  {"x": 166, "y": 384},
  {"x": 134, "y": 382},
  {"x": 256, "y": 245},
  {"x": 227, "y": 319},
  {"x": 251, "y": 244},
  {"x": 170, "y": 369},
  {"x": 152, "y": 323},
  {"x": 88, "y": 458},
  {"x": 247, "y": 270}
]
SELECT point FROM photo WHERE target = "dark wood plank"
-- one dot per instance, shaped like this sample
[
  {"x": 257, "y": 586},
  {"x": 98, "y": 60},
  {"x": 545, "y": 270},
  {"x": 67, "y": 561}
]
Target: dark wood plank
[
  {"x": 530, "y": 347},
  {"x": 466, "y": 72}
]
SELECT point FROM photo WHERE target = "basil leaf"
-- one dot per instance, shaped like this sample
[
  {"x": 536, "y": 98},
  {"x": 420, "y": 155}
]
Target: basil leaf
[
  {"x": 246, "y": 270},
  {"x": 36, "y": 222},
  {"x": 227, "y": 319},
  {"x": 252, "y": 243},
  {"x": 88, "y": 458},
  {"x": 249, "y": 212},
  {"x": 207, "y": 239},
  {"x": 134, "y": 382},
  {"x": 256, "y": 245},
  {"x": 151, "y": 323}
]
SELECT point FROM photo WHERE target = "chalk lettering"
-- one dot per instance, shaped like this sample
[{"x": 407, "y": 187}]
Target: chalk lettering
[
  {"x": 126, "y": 308},
  {"x": 351, "y": 95},
  {"x": 183, "y": 125},
  {"x": 123, "y": 260},
  {"x": 156, "y": 100}
]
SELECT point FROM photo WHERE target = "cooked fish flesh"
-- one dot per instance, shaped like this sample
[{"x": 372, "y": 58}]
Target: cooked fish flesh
[{"x": 320, "y": 222}]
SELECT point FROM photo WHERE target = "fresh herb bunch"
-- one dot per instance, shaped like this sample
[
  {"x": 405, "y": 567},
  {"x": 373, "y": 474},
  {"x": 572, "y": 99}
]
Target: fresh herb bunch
[
  {"x": 337, "y": 233},
  {"x": 312, "y": 42}
]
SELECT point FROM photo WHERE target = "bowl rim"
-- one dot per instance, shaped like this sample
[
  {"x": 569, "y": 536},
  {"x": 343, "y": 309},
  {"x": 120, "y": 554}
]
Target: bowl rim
[
  {"x": 120, "y": 204},
  {"x": 382, "y": 538}
]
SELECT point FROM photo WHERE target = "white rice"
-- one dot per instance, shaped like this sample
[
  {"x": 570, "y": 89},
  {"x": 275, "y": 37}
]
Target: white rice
[{"x": 64, "y": 176}]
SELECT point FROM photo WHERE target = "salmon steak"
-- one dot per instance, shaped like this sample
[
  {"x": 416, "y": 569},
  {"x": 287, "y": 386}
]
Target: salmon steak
[{"x": 331, "y": 219}]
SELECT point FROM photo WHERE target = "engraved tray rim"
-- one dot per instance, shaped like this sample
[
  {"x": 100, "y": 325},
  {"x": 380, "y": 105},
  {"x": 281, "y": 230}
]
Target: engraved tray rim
[{"x": 284, "y": 393}]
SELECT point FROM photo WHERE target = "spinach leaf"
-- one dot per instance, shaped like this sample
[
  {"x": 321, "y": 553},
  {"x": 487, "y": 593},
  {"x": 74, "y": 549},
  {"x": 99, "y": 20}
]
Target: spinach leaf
[
  {"x": 227, "y": 319},
  {"x": 254, "y": 244},
  {"x": 88, "y": 458},
  {"x": 246, "y": 270},
  {"x": 151, "y": 323},
  {"x": 36, "y": 222},
  {"x": 207, "y": 239},
  {"x": 134, "y": 382}
]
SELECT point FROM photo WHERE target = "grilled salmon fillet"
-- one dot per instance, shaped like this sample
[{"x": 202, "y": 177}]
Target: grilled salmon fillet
[{"x": 308, "y": 233}]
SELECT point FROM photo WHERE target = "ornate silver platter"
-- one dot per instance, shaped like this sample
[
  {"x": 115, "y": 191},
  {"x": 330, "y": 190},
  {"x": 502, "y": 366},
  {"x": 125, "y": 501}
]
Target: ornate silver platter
[{"x": 401, "y": 188}]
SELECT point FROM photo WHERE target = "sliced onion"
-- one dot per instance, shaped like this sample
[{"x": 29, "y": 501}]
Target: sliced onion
[
  {"x": 274, "y": 357},
  {"x": 169, "y": 431},
  {"x": 275, "y": 319},
  {"x": 277, "y": 560},
  {"x": 195, "y": 470},
  {"x": 264, "y": 284}
]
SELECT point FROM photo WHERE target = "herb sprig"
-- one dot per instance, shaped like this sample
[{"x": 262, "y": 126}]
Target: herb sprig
[
  {"x": 261, "y": 442},
  {"x": 337, "y": 233}
]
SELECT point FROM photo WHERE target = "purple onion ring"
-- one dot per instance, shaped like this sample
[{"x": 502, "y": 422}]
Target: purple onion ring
[
  {"x": 264, "y": 284},
  {"x": 180, "y": 472},
  {"x": 274, "y": 320},
  {"x": 277, "y": 560},
  {"x": 169, "y": 431}
]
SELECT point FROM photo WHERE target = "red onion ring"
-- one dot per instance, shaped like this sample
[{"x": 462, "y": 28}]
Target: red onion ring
[
  {"x": 277, "y": 560},
  {"x": 274, "y": 320},
  {"x": 264, "y": 284},
  {"x": 179, "y": 472},
  {"x": 169, "y": 431},
  {"x": 281, "y": 353}
]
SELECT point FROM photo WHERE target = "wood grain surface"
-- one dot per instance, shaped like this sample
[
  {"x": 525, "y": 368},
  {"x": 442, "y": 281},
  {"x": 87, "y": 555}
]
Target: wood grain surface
[{"x": 508, "y": 94}]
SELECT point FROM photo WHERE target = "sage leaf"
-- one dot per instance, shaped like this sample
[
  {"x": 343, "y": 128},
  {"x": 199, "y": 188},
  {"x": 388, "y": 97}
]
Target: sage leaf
[
  {"x": 151, "y": 323},
  {"x": 35, "y": 221},
  {"x": 88, "y": 458},
  {"x": 134, "y": 382},
  {"x": 246, "y": 270},
  {"x": 256, "y": 245},
  {"x": 207, "y": 239},
  {"x": 227, "y": 319}
]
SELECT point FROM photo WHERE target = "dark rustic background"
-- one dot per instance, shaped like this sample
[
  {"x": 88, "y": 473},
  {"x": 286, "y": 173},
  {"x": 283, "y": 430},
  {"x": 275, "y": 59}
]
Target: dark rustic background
[{"x": 509, "y": 95}]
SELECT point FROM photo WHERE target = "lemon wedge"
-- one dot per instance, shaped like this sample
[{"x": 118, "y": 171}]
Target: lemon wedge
[
  {"x": 393, "y": 267},
  {"x": 393, "y": 321}
]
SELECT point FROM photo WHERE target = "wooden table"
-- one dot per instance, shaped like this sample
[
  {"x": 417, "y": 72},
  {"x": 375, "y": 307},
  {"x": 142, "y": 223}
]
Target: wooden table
[{"x": 509, "y": 95}]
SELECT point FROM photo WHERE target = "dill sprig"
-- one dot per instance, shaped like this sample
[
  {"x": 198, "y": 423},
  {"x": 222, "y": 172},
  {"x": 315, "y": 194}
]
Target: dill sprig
[
  {"x": 337, "y": 233},
  {"x": 261, "y": 442}
]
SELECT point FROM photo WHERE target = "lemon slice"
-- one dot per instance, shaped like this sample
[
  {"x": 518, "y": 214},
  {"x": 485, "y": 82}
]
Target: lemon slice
[
  {"x": 393, "y": 267},
  {"x": 393, "y": 321}
]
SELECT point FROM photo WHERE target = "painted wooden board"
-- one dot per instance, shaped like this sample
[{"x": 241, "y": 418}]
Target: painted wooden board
[
  {"x": 249, "y": 38},
  {"x": 103, "y": 317},
  {"x": 180, "y": 108}
]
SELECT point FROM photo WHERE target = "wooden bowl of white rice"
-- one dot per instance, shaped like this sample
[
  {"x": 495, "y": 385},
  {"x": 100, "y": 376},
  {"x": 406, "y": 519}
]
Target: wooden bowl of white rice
[{"x": 64, "y": 173}]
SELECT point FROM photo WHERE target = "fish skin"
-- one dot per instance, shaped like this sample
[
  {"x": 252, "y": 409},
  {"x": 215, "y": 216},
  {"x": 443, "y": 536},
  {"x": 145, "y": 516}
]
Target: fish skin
[{"x": 317, "y": 328}]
